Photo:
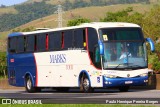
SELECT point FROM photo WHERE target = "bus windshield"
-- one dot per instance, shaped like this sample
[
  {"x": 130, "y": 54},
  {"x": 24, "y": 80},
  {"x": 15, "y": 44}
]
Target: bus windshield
[{"x": 123, "y": 48}]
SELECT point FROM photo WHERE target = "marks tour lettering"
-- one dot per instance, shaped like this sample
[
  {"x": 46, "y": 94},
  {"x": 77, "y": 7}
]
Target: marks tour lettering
[{"x": 58, "y": 58}]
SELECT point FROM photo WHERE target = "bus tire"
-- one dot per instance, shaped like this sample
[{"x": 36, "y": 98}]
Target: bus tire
[
  {"x": 124, "y": 88},
  {"x": 85, "y": 85},
  {"x": 29, "y": 85}
]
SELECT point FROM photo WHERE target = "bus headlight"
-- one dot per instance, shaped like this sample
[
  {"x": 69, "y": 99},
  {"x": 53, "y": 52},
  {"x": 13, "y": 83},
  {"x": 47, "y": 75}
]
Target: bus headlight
[
  {"x": 110, "y": 76},
  {"x": 143, "y": 75}
]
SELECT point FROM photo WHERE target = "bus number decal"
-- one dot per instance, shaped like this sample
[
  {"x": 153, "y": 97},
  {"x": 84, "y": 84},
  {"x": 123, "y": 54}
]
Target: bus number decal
[
  {"x": 58, "y": 58},
  {"x": 98, "y": 80}
]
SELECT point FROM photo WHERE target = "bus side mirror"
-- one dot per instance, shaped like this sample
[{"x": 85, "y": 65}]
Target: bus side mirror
[
  {"x": 101, "y": 47},
  {"x": 150, "y": 41}
]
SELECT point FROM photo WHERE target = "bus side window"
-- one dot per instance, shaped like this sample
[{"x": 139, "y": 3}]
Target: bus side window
[
  {"x": 51, "y": 41},
  {"x": 79, "y": 38},
  {"x": 54, "y": 41},
  {"x": 68, "y": 39},
  {"x": 20, "y": 44},
  {"x": 57, "y": 41},
  {"x": 12, "y": 44},
  {"x": 92, "y": 42},
  {"x": 97, "y": 60},
  {"x": 41, "y": 42},
  {"x": 84, "y": 38},
  {"x": 30, "y": 43},
  {"x": 92, "y": 39}
]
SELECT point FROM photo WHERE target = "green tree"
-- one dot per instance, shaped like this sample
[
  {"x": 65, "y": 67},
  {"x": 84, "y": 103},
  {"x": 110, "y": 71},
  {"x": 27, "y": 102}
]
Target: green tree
[
  {"x": 151, "y": 26},
  {"x": 135, "y": 18},
  {"x": 3, "y": 66},
  {"x": 78, "y": 21},
  {"x": 117, "y": 16},
  {"x": 156, "y": 65},
  {"x": 126, "y": 15},
  {"x": 152, "y": 23}
]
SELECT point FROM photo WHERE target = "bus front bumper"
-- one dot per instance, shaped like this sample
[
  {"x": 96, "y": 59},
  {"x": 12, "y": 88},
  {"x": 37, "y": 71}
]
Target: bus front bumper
[{"x": 116, "y": 82}]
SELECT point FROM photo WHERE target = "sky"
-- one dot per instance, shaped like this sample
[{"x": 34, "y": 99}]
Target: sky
[{"x": 11, "y": 2}]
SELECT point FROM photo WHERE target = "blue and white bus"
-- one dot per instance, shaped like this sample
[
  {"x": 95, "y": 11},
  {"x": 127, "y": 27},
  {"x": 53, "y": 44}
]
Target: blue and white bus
[{"x": 88, "y": 56}]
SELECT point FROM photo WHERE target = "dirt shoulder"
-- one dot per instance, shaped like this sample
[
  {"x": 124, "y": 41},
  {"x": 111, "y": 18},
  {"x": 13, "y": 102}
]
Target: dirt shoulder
[{"x": 5, "y": 85}]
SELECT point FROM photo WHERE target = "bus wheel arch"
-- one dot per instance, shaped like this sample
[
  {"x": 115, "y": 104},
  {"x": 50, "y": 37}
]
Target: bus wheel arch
[
  {"x": 29, "y": 86},
  {"x": 84, "y": 82}
]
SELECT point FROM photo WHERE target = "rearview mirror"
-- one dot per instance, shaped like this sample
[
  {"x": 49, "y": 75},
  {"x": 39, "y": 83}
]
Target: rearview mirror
[
  {"x": 101, "y": 48},
  {"x": 150, "y": 41}
]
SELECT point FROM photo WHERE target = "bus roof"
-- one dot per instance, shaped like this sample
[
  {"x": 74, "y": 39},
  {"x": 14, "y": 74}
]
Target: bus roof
[{"x": 95, "y": 25}]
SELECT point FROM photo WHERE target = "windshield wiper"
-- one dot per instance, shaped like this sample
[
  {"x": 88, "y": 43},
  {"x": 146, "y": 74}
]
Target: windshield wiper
[
  {"x": 120, "y": 64},
  {"x": 128, "y": 65}
]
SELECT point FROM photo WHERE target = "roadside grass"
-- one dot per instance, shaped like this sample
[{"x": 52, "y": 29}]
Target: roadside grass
[
  {"x": 75, "y": 105},
  {"x": 2, "y": 77}
]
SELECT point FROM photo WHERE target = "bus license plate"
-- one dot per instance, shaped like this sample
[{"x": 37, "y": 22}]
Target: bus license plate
[{"x": 128, "y": 82}]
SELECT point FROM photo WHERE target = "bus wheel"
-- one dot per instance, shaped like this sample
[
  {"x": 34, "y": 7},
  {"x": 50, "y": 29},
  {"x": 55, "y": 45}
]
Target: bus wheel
[
  {"x": 124, "y": 88},
  {"x": 85, "y": 85},
  {"x": 29, "y": 85}
]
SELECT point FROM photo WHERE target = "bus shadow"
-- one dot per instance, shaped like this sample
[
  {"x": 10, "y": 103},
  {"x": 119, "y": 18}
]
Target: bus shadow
[{"x": 95, "y": 91}]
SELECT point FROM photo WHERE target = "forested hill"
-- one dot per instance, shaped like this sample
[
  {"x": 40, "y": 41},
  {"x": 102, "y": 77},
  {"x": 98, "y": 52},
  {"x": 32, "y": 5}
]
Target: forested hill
[{"x": 35, "y": 9}]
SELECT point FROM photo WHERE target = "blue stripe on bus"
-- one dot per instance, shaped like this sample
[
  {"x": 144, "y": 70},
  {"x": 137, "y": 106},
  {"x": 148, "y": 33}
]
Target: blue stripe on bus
[{"x": 115, "y": 82}]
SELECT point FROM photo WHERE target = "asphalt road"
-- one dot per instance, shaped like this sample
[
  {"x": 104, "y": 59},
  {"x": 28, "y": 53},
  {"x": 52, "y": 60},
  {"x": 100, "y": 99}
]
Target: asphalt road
[{"x": 99, "y": 96}]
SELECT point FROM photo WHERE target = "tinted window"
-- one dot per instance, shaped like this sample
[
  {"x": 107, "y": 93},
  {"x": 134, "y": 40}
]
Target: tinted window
[
  {"x": 92, "y": 39},
  {"x": 108, "y": 34},
  {"x": 20, "y": 44},
  {"x": 41, "y": 42},
  {"x": 12, "y": 44},
  {"x": 54, "y": 41},
  {"x": 30, "y": 43},
  {"x": 51, "y": 43},
  {"x": 92, "y": 43},
  {"x": 96, "y": 57},
  {"x": 79, "y": 38},
  {"x": 68, "y": 39}
]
